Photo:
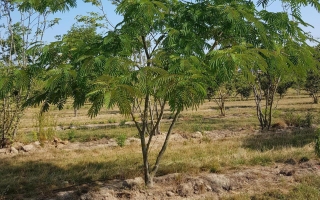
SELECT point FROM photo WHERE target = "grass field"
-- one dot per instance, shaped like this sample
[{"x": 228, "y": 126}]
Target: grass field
[{"x": 230, "y": 143}]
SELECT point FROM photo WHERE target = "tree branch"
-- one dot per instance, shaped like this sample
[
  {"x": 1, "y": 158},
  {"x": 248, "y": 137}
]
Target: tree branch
[
  {"x": 145, "y": 47},
  {"x": 165, "y": 144}
]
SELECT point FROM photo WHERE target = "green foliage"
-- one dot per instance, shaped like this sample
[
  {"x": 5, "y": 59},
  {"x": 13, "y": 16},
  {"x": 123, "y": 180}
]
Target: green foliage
[
  {"x": 312, "y": 84},
  {"x": 283, "y": 87},
  {"x": 121, "y": 139},
  {"x": 295, "y": 119},
  {"x": 122, "y": 122},
  {"x": 242, "y": 85},
  {"x": 45, "y": 124},
  {"x": 71, "y": 135},
  {"x": 111, "y": 120}
]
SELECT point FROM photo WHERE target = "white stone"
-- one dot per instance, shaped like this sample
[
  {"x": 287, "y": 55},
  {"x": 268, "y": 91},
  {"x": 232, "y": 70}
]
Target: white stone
[
  {"x": 14, "y": 150},
  {"x": 27, "y": 148}
]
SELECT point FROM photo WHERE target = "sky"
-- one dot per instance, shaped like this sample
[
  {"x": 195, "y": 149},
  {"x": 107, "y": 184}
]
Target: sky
[{"x": 310, "y": 15}]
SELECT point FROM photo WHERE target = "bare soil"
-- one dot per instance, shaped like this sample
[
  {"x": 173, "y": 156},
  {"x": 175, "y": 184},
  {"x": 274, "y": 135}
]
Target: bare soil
[{"x": 247, "y": 180}]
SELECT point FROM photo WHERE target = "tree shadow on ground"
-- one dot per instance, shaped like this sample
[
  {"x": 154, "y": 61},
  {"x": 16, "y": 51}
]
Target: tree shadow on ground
[
  {"x": 277, "y": 140},
  {"x": 41, "y": 180}
]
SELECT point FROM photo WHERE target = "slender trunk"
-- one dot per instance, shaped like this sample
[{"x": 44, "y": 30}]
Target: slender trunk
[
  {"x": 4, "y": 119},
  {"x": 257, "y": 98},
  {"x": 144, "y": 148},
  {"x": 315, "y": 99},
  {"x": 164, "y": 146},
  {"x": 222, "y": 108},
  {"x": 75, "y": 112}
]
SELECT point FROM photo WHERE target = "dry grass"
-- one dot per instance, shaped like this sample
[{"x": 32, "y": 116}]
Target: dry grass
[{"x": 39, "y": 174}]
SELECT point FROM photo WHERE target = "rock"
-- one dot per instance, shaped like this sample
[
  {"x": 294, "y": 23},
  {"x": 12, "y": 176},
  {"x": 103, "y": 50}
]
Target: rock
[
  {"x": 218, "y": 182},
  {"x": 59, "y": 128},
  {"x": 170, "y": 193},
  {"x": 132, "y": 139},
  {"x": 64, "y": 142},
  {"x": 27, "y": 148},
  {"x": 37, "y": 143},
  {"x": 303, "y": 159},
  {"x": 133, "y": 183},
  {"x": 199, "y": 187},
  {"x": 185, "y": 189},
  {"x": 287, "y": 172},
  {"x": 290, "y": 161},
  {"x": 107, "y": 194},
  {"x": 66, "y": 195},
  {"x": 13, "y": 150},
  {"x": 197, "y": 134},
  {"x": 56, "y": 140},
  {"x": 17, "y": 145},
  {"x": 124, "y": 195}
]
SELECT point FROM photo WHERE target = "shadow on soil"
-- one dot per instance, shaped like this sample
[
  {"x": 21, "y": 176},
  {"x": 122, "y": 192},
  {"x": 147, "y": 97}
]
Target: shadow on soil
[
  {"x": 40, "y": 180},
  {"x": 271, "y": 140}
]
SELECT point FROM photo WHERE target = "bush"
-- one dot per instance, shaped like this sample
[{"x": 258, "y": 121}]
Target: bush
[
  {"x": 121, "y": 139},
  {"x": 71, "y": 134},
  {"x": 122, "y": 122},
  {"x": 298, "y": 120}
]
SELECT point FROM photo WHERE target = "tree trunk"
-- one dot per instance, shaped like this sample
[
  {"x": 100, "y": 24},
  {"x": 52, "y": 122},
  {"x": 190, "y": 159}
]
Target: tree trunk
[
  {"x": 222, "y": 108},
  {"x": 315, "y": 99}
]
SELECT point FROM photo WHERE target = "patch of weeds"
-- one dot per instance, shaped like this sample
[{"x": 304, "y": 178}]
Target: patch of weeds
[
  {"x": 269, "y": 195},
  {"x": 304, "y": 191},
  {"x": 71, "y": 135},
  {"x": 298, "y": 120},
  {"x": 276, "y": 113},
  {"x": 308, "y": 119},
  {"x": 122, "y": 122},
  {"x": 212, "y": 167},
  {"x": 34, "y": 136},
  {"x": 236, "y": 197},
  {"x": 45, "y": 123},
  {"x": 111, "y": 120},
  {"x": 121, "y": 139},
  {"x": 262, "y": 160},
  {"x": 206, "y": 139}
]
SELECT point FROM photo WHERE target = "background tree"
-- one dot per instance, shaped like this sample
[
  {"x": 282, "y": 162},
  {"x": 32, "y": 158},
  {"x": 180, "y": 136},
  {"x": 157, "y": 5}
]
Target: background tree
[
  {"x": 312, "y": 83},
  {"x": 242, "y": 86},
  {"x": 17, "y": 72},
  {"x": 220, "y": 94},
  {"x": 283, "y": 87}
]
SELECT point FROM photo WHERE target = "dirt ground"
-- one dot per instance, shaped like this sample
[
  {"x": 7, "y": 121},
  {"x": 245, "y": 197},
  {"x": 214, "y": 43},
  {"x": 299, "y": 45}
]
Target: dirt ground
[{"x": 248, "y": 180}]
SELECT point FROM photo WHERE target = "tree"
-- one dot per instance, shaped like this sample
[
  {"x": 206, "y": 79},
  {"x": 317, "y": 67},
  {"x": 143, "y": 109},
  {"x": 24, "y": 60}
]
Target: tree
[
  {"x": 17, "y": 72},
  {"x": 220, "y": 94},
  {"x": 283, "y": 87},
  {"x": 312, "y": 83},
  {"x": 242, "y": 86},
  {"x": 164, "y": 53}
]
